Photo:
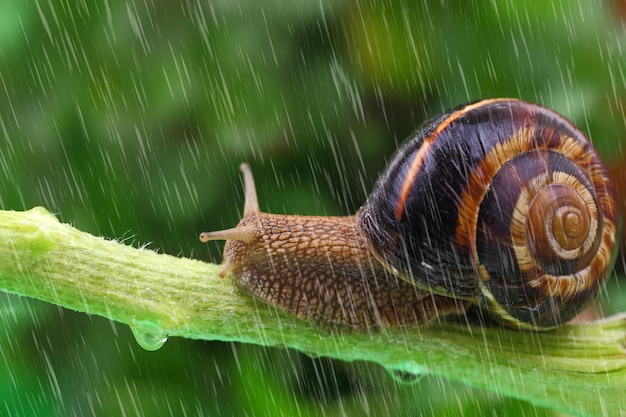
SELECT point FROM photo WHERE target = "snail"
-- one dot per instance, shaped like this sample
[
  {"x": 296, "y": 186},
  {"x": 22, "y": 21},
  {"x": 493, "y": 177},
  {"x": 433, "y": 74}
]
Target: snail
[{"x": 499, "y": 204}]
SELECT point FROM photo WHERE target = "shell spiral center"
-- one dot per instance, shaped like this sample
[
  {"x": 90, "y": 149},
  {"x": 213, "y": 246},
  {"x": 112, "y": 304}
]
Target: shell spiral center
[{"x": 561, "y": 226}]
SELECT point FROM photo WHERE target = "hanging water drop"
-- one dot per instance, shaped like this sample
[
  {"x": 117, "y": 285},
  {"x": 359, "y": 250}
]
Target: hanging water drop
[
  {"x": 406, "y": 378},
  {"x": 408, "y": 375},
  {"x": 149, "y": 335}
]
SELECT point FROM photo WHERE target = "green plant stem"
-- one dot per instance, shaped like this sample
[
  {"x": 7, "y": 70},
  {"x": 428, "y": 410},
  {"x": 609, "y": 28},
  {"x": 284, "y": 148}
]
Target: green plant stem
[{"x": 580, "y": 369}]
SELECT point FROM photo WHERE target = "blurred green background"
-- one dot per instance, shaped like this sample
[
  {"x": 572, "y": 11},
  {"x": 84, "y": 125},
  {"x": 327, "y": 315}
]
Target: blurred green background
[{"x": 129, "y": 120}]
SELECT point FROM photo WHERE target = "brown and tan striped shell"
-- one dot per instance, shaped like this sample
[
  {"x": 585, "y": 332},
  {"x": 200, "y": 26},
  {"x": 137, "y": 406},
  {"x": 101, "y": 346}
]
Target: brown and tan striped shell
[{"x": 501, "y": 203}]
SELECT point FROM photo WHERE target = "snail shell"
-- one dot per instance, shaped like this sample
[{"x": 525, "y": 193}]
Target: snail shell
[{"x": 500, "y": 202}]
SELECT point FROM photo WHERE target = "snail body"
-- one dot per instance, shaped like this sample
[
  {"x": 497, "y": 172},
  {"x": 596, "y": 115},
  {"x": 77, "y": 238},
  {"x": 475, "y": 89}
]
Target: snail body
[{"x": 500, "y": 203}]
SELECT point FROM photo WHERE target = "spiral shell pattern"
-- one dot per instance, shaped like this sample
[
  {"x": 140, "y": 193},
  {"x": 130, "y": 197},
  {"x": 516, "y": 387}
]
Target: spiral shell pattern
[{"x": 501, "y": 202}]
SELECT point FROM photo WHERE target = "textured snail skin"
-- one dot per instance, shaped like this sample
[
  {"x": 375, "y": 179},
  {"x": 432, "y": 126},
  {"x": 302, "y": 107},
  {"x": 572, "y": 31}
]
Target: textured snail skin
[
  {"x": 319, "y": 268},
  {"x": 500, "y": 203}
]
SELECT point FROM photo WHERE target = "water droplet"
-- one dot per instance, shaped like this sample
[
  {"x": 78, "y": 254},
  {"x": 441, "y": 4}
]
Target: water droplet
[
  {"x": 406, "y": 378},
  {"x": 148, "y": 334},
  {"x": 409, "y": 374}
]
